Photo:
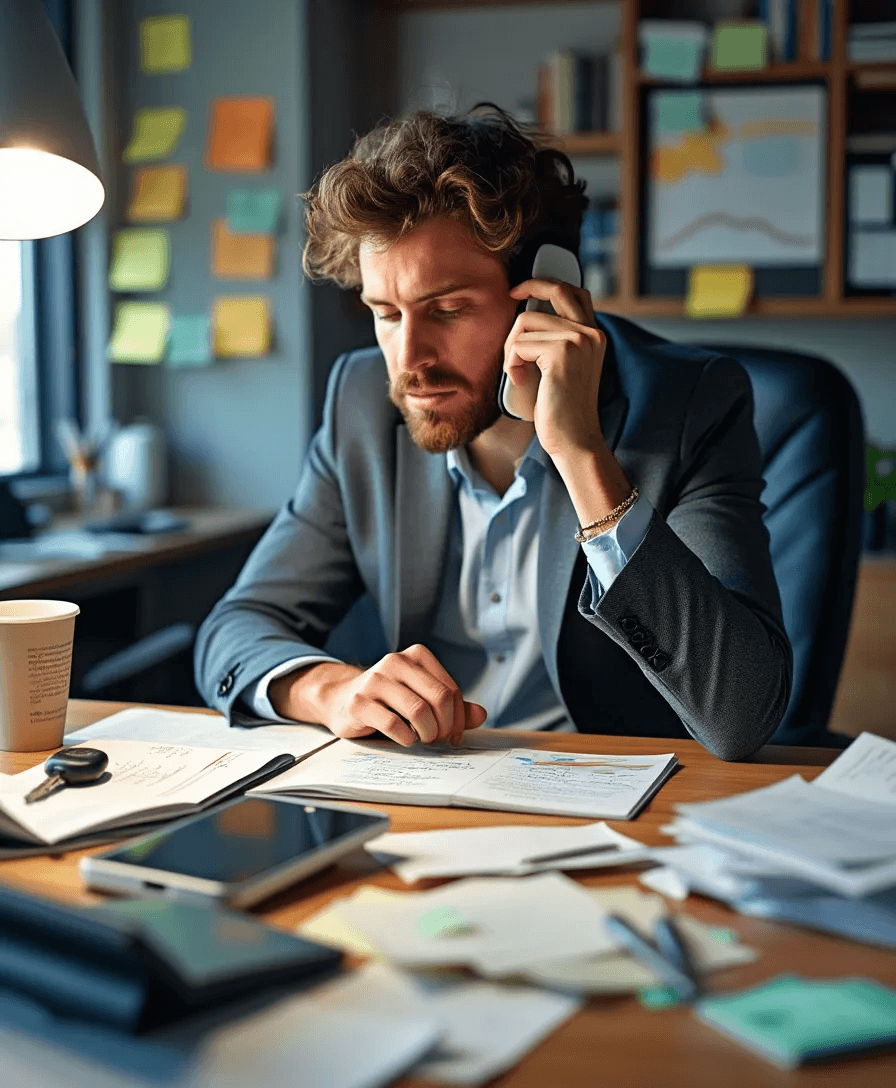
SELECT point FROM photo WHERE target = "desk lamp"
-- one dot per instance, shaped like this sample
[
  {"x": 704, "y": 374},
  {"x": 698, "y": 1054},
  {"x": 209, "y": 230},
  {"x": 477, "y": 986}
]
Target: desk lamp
[{"x": 49, "y": 171}]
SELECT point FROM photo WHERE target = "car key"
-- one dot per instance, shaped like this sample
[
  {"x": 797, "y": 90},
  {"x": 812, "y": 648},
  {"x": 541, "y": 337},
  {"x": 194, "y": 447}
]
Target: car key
[{"x": 69, "y": 766}]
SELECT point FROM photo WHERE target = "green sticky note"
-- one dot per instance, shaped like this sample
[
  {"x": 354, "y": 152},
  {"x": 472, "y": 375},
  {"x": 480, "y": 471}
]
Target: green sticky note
[
  {"x": 165, "y": 44},
  {"x": 253, "y": 211},
  {"x": 739, "y": 47},
  {"x": 880, "y": 476},
  {"x": 658, "y": 997},
  {"x": 443, "y": 922},
  {"x": 790, "y": 1019},
  {"x": 679, "y": 111},
  {"x": 190, "y": 342},
  {"x": 140, "y": 332},
  {"x": 673, "y": 58},
  {"x": 157, "y": 133},
  {"x": 140, "y": 260}
]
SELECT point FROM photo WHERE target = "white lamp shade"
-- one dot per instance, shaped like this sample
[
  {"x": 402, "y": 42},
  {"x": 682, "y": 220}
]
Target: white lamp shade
[{"x": 50, "y": 178}]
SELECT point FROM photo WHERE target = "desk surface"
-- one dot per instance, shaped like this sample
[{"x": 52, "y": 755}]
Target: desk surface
[
  {"x": 207, "y": 528},
  {"x": 613, "y": 1041}
]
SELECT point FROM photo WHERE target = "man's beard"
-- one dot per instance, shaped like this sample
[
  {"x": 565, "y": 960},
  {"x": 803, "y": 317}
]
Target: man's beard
[{"x": 432, "y": 431}]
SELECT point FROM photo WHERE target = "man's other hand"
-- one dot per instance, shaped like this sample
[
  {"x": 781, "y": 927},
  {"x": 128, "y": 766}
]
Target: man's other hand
[{"x": 407, "y": 696}]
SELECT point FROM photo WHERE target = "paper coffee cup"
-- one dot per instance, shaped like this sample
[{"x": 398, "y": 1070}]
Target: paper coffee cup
[{"x": 35, "y": 666}]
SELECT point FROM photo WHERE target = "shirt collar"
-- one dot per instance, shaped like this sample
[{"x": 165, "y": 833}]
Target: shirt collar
[{"x": 461, "y": 469}]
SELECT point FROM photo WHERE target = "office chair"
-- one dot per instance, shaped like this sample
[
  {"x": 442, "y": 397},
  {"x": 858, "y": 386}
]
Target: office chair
[{"x": 809, "y": 425}]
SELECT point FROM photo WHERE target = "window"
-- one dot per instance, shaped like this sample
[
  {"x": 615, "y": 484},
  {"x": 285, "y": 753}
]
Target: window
[{"x": 19, "y": 410}]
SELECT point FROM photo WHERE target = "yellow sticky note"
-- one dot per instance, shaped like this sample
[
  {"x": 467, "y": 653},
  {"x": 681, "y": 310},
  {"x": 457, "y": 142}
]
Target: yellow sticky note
[
  {"x": 140, "y": 332},
  {"x": 719, "y": 290},
  {"x": 242, "y": 326},
  {"x": 158, "y": 194},
  {"x": 165, "y": 44},
  {"x": 140, "y": 260},
  {"x": 241, "y": 256},
  {"x": 156, "y": 134},
  {"x": 240, "y": 134}
]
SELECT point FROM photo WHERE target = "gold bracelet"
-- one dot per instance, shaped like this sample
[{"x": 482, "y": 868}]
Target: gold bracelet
[{"x": 614, "y": 515}]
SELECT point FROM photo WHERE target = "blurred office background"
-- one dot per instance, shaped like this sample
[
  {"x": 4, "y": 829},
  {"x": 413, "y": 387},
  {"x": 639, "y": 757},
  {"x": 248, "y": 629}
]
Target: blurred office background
[{"x": 231, "y": 396}]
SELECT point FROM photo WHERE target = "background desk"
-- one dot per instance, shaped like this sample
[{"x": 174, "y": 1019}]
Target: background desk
[
  {"x": 613, "y": 1041},
  {"x": 166, "y": 579}
]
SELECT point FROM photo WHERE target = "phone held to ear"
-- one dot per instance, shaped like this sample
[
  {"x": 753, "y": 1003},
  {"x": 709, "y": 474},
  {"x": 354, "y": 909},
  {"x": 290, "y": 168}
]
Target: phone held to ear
[{"x": 555, "y": 263}]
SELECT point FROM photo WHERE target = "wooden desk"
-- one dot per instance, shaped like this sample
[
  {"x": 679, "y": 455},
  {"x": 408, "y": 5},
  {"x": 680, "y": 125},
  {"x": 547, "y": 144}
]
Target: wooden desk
[{"x": 613, "y": 1041}]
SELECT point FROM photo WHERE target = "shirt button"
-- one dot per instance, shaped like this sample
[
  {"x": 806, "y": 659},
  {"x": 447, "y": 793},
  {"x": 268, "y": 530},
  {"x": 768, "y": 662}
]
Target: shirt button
[
  {"x": 495, "y": 597},
  {"x": 500, "y": 659}
]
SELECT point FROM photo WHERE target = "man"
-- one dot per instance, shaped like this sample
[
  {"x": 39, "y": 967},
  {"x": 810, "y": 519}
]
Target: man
[{"x": 604, "y": 568}]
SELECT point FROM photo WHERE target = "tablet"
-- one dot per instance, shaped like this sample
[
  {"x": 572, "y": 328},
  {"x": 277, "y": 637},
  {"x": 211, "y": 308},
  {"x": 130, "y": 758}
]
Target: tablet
[{"x": 239, "y": 854}]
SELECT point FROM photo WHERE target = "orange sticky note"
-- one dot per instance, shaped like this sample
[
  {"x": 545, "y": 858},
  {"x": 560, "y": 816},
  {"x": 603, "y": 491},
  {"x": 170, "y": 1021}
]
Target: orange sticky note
[
  {"x": 241, "y": 256},
  {"x": 240, "y": 134},
  {"x": 158, "y": 194},
  {"x": 242, "y": 326}
]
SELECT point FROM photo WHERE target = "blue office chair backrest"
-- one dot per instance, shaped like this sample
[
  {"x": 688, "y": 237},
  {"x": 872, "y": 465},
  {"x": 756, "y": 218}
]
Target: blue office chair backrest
[{"x": 809, "y": 425}]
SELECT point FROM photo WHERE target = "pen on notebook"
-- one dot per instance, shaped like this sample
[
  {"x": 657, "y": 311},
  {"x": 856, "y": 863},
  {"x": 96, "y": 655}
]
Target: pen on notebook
[
  {"x": 573, "y": 852},
  {"x": 671, "y": 970}
]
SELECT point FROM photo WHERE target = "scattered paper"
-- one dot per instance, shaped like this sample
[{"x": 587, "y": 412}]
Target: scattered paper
[
  {"x": 240, "y": 134},
  {"x": 739, "y": 46},
  {"x": 190, "y": 342},
  {"x": 254, "y": 211},
  {"x": 158, "y": 194},
  {"x": 872, "y": 258},
  {"x": 203, "y": 731},
  {"x": 242, "y": 327},
  {"x": 866, "y": 769},
  {"x": 140, "y": 260},
  {"x": 165, "y": 44},
  {"x": 871, "y": 195},
  {"x": 140, "y": 332},
  {"x": 241, "y": 256},
  {"x": 157, "y": 133},
  {"x": 718, "y": 290},
  {"x": 672, "y": 50},
  {"x": 679, "y": 111}
]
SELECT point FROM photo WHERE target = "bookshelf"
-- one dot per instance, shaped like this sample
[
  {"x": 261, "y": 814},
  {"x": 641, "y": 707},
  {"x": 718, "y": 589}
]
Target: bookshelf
[{"x": 837, "y": 73}]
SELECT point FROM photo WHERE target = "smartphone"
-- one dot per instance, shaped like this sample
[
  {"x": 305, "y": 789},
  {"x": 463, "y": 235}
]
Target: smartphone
[
  {"x": 551, "y": 262},
  {"x": 238, "y": 854}
]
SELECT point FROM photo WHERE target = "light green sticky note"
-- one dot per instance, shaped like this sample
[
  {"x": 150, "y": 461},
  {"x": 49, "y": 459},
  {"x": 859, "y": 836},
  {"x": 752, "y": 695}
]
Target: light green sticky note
[
  {"x": 140, "y": 332},
  {"x": 140, "y": 260},
  {"x": 165, "y": 44},
  {"x": 156, "y": 134},
  {"x": 253, "y": 211},
  {"x": 673, "y": 58},
  {"x": 739, "y": 47},
  {"x": 190, "y": 342},
  {"x": 679, "y": 111}
]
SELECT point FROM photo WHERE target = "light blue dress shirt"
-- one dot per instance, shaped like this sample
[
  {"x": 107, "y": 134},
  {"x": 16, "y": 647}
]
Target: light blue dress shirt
[{"x": 485, "y": 632}]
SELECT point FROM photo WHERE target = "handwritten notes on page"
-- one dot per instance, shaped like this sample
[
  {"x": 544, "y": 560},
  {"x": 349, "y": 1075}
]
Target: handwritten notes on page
[
  {"x": 140, "y": 260},
  {"x": 156, "y": 134},
  {"x": 240, "y": 134},
  {"x": 140, "y": 332},
  {"x": 158, "y": 194},
  {"x": 241, "y": 327}
]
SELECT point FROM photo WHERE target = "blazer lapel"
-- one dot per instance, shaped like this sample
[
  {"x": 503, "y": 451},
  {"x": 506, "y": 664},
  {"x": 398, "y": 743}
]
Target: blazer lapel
[{"x": 423, "y": 503}]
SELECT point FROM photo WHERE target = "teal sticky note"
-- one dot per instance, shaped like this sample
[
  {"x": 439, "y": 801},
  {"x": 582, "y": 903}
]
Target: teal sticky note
[
  {"x": 673, "y": 58},
  {"x": 254, "y": 211},
  {"x": 190, "y": 341},
  {"x": 790, "y": 1019},
  {"x": 679, "y": 111},
  {"x": 658, "y": 997}
]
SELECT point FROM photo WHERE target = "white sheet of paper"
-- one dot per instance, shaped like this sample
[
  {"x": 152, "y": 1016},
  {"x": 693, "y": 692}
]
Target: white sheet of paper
[
  {"x": 141, "y": 775},
  {"x": 203, "y": 731},
  {"x": 504, "y": 925},
  {"x": 871, "y": 195},
  {"x": 866, "y": 769},
  {"x": 488, "y": 850},
  {"x": 872, "y": 258}
]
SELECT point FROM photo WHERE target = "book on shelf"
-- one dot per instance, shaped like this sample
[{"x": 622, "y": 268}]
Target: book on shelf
[
  {"x": 870, "y": 42},
  {"x": 576, "y": 93}
]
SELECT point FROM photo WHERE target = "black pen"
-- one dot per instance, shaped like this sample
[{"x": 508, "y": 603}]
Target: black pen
[{"x": 677, "y": 974}]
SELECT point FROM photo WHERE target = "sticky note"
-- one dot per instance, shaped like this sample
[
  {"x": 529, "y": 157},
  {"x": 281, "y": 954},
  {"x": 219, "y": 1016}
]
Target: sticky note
[
  {"x": 242, "y": 326},
  {"x": 140, "y": 332},
  {"x": 241, "y": 256},
  {"x": 679, "y": 111},
  {"x": 240, "y": 134},
  {"x": 156, "y": 134},
  {"x": 165, "y": 44},
  {"x": 739, "y": 46},
  {"x": 672, "y": 49},
  {"x": 140, "y": 260},
  {"x": 190, "y": 341},
  {"x": 871, "y": 195},
  {"x": 253, "y": 211},
  {"x": 158, "y": 194},
  {"x": 718, "y": 290}
]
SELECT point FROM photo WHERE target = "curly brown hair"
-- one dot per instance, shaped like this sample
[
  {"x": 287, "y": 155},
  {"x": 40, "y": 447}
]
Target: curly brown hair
[{"x": 479, "y": 167}]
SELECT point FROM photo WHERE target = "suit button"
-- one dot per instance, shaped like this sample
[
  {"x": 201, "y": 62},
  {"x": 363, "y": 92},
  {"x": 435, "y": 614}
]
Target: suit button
[
  {"x": 225, "y": 685},
  {"x": 639, "y": 637},
  {"x": 647, "y": 650},
  {"x": 659, "y": 660},
  {"x": 628, "y": 623}
]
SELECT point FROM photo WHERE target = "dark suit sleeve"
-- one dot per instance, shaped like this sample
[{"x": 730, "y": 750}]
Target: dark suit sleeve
[
  {"x": 697, "y": 605},
  {"x": 299, "y": 581}
]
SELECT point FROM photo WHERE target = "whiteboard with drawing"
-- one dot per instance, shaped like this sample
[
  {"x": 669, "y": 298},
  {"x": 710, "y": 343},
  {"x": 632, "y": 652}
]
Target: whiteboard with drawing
[{"x": 738, "y": 178}]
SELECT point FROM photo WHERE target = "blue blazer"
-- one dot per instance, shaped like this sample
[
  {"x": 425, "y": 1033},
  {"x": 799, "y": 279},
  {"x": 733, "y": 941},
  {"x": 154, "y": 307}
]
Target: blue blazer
[{"x": 687, "y": 641}]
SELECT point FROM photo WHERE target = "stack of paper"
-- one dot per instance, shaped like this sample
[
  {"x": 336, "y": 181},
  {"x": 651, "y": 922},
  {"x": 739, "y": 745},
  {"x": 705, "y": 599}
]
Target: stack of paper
[{"x": 511, "y": 851}]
